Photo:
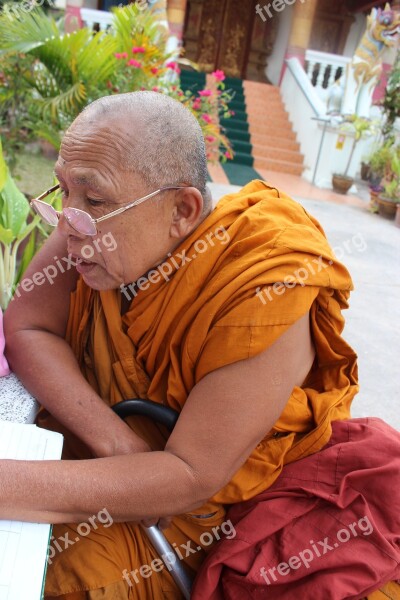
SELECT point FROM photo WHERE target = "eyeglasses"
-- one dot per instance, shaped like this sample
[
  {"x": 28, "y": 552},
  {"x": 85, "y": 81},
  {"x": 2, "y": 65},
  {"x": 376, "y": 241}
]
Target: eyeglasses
[{"x": 80, "y": 220}]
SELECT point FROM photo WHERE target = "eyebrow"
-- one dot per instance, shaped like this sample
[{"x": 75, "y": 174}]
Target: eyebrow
[{"x": 81, "y": 180}]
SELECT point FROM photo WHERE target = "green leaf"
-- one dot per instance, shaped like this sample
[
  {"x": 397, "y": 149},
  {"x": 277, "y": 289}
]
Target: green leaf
[
  {"x": 6, "y": 235},
  {"x": 3, "y": 168},
  {"x": 15, "y": 207}
]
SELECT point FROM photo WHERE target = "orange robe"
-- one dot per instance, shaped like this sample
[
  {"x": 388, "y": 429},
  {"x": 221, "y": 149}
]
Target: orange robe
[{"x": 216, "y": 306}]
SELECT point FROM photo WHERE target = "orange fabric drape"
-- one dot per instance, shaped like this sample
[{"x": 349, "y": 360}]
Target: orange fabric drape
[
  {"x": 214, "y": 308},
  {"x": 208, "y": 315}
]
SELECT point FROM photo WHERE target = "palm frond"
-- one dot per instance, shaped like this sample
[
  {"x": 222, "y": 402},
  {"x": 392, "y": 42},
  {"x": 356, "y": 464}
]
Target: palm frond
[
  {"x": 69, "y": 101},
  {"x": 95, "y": 59},
  {"x": 26, "y": 30}
]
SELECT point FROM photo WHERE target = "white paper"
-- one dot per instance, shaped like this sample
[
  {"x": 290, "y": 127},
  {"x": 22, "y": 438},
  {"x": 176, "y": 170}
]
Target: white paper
[{"x": 23, "y": 546}]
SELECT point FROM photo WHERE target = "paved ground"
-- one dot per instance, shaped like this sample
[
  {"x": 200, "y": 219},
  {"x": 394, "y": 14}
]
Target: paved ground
[{"x": 369, "y": 246}]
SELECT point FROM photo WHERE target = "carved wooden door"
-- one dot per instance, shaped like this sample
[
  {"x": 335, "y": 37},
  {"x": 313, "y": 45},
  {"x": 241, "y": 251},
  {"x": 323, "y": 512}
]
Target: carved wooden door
[{"x": 228, "y": 35}]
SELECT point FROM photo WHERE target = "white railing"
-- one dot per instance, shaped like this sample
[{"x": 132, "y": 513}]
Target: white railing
[
  {"x": 91, "y": 17},
  {"x": 317, "y": 132},
  {"x": 324, "y": 69}
]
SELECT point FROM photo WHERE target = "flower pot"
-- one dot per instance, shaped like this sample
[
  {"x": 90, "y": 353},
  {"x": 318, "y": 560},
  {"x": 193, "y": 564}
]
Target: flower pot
[
  {"x": 397, "y": 217},
  {"x": 342, "y": 183},
  {"x": 373, "y": 202},
  {"x": 387, "y": 207}
]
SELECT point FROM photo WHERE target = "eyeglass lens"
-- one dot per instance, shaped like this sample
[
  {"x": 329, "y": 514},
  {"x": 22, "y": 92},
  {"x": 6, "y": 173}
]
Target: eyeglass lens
[
  {"x": 80, "y": 221},
  {"x": 47, "y": 212}
]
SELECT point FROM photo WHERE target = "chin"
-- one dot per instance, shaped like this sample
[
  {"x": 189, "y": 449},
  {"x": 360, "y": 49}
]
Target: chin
[{"x": 100, "y": 281}]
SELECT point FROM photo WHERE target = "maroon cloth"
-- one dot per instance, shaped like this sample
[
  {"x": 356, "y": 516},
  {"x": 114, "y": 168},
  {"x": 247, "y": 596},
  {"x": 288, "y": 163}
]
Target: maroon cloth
[{"x": 342, "y": 503}]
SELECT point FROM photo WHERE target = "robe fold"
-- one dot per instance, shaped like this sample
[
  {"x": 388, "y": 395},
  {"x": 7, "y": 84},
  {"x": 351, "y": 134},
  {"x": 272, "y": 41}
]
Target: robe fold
[{"x": 251, "y": 269}]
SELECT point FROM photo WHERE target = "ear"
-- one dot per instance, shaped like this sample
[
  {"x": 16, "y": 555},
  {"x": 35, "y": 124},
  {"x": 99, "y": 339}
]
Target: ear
[{"x": 186, "y": 213}]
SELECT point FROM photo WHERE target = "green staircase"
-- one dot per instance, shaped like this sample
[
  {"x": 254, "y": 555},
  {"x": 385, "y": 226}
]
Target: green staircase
[{"x": 239, "y": 170}]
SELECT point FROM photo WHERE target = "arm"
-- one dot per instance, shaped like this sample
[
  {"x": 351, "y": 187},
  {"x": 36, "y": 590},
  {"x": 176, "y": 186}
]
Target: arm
[
  {"x": 35, "y": 325},
  {"x": 226, "y": 415}
]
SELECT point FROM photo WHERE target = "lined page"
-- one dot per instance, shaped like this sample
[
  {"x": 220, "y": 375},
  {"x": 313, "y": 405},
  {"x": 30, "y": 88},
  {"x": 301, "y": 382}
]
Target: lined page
[{"x": 23, "y": 546}]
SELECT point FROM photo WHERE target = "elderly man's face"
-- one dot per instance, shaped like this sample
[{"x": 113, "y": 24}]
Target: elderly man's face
[{"x": 91, "y": 178}]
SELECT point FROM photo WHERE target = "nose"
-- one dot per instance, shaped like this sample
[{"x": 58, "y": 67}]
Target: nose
[{"x": 67, "y": 231}]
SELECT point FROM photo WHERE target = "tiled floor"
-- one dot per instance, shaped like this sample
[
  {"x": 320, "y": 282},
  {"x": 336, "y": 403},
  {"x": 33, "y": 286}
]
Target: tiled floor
[{"x": 297, "y": 186}]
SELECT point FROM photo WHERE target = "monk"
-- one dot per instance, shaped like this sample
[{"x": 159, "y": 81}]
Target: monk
[{"x": 231, "y": 316}]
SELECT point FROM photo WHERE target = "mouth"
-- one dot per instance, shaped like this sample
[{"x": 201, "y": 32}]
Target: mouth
[
  {"x": 81, "y": 265},
  {"x": 391, "y": 35}
]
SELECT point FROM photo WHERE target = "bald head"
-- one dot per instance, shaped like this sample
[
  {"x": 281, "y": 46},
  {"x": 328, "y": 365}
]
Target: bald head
[{"x": 164, "y": 142}]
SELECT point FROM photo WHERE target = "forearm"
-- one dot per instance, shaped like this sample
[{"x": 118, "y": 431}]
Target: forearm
[
  {"x": 131, "y": 488},
  {"x": 48, "y": 368}
]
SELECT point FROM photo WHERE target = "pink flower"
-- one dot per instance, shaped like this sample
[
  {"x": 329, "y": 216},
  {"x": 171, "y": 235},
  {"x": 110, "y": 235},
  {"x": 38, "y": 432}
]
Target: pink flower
[
  {"x": 138, "y": 50},
  {"x": 219, "y": 75},
  {"x": 228, "y": 154},
  {"x": 121, "y": 55},
  {"x": 155, "y": 89},
  {"x": 180, "y": 93},
  {"x": 210, "y": 138},
  {"x": 154, "y": 70},
  {"x": 134, "y": 63},
  {"x": 173, "y": 66},
  {"x": 232, "y": 113},
  {"x": 206, "y": 118},
  {"x": 205, "y": 93},
  {"x": 197, "y": 104}
]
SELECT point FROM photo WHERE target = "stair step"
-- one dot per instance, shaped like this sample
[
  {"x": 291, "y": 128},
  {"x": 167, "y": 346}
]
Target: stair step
[
  {"x": 187, "y": 74},
  {"x": 233, "y": 123},
  {"x": 267, "y": 115},
  {"x": 236, "y": 106},
  {"x": 234, "y": 82},
  {"x": 237, "y": 134},
  {"x": 243, "y": 159},
  {"x": 278, "y": 165},
  {"x": 267, "y": 92},
  {"x": 262, "y": 87},
  {"x": 265, "y": 106},
  {"x": 241, "y": 146},
  {"x": 273, "y": 128},
  {"x": 258, "y": 139},
  {"x": 277, "y": 154},
  {"x": 239, "y": 115},
  {"x": 272, "y": 131}
]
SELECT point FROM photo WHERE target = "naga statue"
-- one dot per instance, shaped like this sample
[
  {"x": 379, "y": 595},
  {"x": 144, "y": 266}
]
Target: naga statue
[{"x": 363, "y": 72}]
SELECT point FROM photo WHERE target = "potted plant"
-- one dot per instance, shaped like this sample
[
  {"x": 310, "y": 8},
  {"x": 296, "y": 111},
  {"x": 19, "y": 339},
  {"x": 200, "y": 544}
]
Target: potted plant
[
  {"x": 374, "y": 191},
  {"x": 360, "y": 127},
  {"x": 389, "y": 199},
  {"x": 379, "y": 162}
]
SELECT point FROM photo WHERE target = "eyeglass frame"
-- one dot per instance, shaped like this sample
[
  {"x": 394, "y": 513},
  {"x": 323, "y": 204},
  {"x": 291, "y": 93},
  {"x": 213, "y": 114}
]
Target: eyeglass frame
[{"x": 118, "y": 211}]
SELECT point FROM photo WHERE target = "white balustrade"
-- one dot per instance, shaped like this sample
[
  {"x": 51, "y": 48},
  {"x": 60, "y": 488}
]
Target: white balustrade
[
  {"x": 322, "y": 69},
  {"x": 91, "y": 17}
]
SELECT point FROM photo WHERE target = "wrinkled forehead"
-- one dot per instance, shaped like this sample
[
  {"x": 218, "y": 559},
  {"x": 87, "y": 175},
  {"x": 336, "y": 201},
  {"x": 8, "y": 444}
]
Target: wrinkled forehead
[{"x": 108, "y": 136}]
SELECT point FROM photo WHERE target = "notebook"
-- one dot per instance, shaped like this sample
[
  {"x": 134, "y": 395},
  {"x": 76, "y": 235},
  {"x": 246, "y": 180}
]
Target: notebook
[{"x": 23, "y": 546}]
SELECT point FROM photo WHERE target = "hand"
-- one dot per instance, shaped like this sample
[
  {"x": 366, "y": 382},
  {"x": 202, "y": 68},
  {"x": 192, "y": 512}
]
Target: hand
[{"x": 125, "y": 441}]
